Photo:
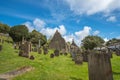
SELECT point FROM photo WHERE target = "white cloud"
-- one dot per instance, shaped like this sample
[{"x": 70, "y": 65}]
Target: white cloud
[
  {"x": 106, "y": 39},
  {"x": 29, "y": 25},
  {"x": 69, "y": 38},
  {"x": 50, "y": 31},
  {"x": 39, "y": 25},
  {"x": 90, "y": 7},
  {"x": 96, "y": 32},
  {"x": 112, "y": 19},
  {"x": 83, "y": 33}
]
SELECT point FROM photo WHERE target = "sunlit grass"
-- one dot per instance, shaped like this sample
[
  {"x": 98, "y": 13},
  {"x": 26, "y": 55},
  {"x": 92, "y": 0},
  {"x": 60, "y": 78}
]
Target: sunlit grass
[{"x": 45, "y": 68}]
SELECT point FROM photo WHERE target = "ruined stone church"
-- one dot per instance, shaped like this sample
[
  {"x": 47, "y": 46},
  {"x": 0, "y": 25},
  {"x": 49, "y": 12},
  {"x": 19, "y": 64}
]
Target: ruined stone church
[{"x": 57, "y": 42}]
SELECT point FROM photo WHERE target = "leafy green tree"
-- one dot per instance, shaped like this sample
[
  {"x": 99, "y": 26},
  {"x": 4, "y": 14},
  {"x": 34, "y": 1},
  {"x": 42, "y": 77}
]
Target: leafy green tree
[
  {"x": 35, "y": 36},
  {"x": 18, "y": 32},
  {"x": 90, "y": 42},
  {"x": 4, "y": 28},
  {"x": 112, "y": 41}
]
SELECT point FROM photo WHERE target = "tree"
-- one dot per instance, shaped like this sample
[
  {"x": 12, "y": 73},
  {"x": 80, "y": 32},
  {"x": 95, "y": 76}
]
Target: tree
[
  {"x": 112, "y": 41},
  {"x": 90, "y": 42},
  {"x": 18, "y": 32},
  {"x": 4, "y": 28},
  {"x": 35, "y": 36}
]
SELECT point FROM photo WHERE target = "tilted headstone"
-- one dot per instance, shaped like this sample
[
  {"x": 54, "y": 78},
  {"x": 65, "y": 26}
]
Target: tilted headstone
[{"x": 99, "y": 66}]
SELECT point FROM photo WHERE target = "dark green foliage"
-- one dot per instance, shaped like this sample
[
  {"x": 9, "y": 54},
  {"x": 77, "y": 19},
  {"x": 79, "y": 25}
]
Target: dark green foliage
[
  {"x": 90, "y": 42},
  {"x": 4, "y": 28},
  {"x": 35, "y": 36},
  {"x": 18, "y": 32},
  {"x": 113, "y": 41}
]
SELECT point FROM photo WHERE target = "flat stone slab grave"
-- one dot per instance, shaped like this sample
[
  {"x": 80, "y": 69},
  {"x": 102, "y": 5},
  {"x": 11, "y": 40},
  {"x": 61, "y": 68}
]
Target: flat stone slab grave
[{"x": 14, "y": 73}]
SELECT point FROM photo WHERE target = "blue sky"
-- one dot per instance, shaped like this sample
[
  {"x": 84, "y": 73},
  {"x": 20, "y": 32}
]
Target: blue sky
[{"x": 73, "y": 18}]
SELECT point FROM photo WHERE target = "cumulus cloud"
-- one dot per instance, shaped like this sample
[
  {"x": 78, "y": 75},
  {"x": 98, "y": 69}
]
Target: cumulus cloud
[
  {"x": 69, "y": 38},
  {"x": 50, "y": 31},
  {"x": 106, "y": 39},
  {"x": 90, "y": 7},
  {"x": 96, "y": 32},
  {"x": 79, "y": 35},
  {"x": 29, "y": 25},
  {"x": 40, "y": 26},
  {"x": 83, "y": 33},
  {"x": 111, "y": 19},
  {"x": 37, "y": 24}
]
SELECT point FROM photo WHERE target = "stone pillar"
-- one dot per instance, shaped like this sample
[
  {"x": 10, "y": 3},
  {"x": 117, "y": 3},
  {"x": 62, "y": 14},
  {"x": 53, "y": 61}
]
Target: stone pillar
[{"x": 99, "y": 66}]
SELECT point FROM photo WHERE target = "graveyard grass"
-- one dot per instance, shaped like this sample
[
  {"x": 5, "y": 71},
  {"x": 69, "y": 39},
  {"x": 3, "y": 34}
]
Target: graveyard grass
[{"x": 45, "y": 68}]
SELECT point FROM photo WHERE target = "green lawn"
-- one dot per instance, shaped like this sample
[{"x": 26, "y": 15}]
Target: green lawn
[{"x": 45, "y": 68}]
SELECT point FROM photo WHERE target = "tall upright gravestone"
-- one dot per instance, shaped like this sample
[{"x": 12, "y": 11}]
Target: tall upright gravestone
[
  {"x": 99, "y": 66},
  {"x": 25, "y": 49}
]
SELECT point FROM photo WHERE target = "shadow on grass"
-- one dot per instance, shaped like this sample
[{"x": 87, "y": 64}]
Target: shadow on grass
[
  {"x": 74, "y": 78},
  {"x": 116, "y": 73}
]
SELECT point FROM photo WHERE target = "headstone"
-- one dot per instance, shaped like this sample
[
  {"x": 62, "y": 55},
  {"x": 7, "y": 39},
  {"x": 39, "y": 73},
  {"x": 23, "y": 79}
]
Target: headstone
[
  {"x": 61, "y": 53},
  {"x": 56, "y": 52},
  {"x": 32, "y": 57},
  {"x": 45, "y": 50},
  {"x": 65, "y": 53},
  {"x": 35, "y": 49},
  {"x": 0, "y": 47},
  {"x": 39, "y": 51},
  {"x": 78, "y": 57},
  {"x": 99, "y": 66},
  {"x": 25, "y": 49},
  {"x": 85, "y": 56},
  {"x": 52, "y": 55}
]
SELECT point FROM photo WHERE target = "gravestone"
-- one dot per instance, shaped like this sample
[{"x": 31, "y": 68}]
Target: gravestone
[
  {"x": 52, "y": 55},
  {"x": 56, "y": 52},
  {"x": 73, "y": 50},
  {"x": 65, "y": 53},
  {"x": 32, "y": 57},
  {"x": 35, "y": 49},
  {"x": 25, "y": 49},
  {"x": 57, "y": 42},
  {"x": 85, "y": 56},
  {"x": 0, "y": 47},
  {"x": 45, "y": 50},
  {"x": 78, "y": 57},
  {"x": 39, "y": 51},
  {"x": 61, "y": 53},
  {"x": 99, "y": 66}
]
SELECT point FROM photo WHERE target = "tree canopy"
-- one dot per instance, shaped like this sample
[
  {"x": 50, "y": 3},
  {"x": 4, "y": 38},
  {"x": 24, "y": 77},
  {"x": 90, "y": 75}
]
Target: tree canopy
[
  {"x": 113, "y": 41},
  {"x": 90, "y": 42},
  {"x": 35, "y": 36},
  {"x": 18, "y": 32},
  {"x": 4, "y": 28}
]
